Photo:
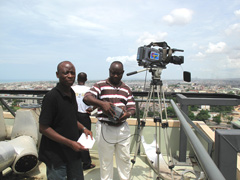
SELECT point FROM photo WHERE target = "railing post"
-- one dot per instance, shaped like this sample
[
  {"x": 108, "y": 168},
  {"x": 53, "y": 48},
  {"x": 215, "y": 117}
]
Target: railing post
[{"x": 183, "y": 139}]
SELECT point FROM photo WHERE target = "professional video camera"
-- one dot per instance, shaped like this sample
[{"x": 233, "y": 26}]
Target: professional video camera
[
  {"x": 152, "y": 57},
  {"x": 155, "y": 60}
]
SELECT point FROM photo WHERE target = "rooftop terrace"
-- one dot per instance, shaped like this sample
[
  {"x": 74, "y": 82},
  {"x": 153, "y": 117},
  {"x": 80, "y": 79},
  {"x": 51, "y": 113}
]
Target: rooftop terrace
[{"x": 196, "y": 149}]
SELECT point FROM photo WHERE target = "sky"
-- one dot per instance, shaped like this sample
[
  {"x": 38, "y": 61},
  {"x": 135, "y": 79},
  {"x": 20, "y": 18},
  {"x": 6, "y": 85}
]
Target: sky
[{"x": 37, "y": 35}]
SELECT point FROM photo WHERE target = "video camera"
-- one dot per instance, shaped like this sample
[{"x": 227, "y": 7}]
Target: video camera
[{"x": 152, "y": 57}]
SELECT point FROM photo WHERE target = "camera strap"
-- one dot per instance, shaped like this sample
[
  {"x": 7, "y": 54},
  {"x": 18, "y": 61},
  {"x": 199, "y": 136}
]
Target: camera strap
[{"x": 167, "y": 54}]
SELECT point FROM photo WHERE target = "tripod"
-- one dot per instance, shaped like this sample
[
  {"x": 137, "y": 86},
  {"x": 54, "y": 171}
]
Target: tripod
[{"x": 156, "y": 84}]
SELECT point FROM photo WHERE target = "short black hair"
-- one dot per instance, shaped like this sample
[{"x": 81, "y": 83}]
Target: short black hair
[
  {"x": 58, "y": 66},
  {"x": 117, "y": 62},
  {"x": 82, "y": 77}
]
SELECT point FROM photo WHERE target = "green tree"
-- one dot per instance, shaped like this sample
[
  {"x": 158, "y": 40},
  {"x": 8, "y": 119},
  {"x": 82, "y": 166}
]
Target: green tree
[
  {"x": 191, "y": 115},
  {"x": 170, "y": 112},
  {"x": 231, "y": 92},
  {"x": 193, "y": 108},
  {"x": 217, "y": 119},
  {"x": 150, "y": 114},
  {"x": 202, "y": 116},
  {"x": 229, "y": 118},
  {"x": 222, "y": 109}
]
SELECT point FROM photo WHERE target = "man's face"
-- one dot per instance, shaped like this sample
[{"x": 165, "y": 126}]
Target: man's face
[
  {"x": 66, "y": 74},
  {"x": 115, "y": 74}
]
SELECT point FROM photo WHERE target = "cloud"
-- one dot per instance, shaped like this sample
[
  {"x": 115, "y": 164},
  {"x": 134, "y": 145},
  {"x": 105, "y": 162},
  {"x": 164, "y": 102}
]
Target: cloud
[
  {"x": 180, "y": 16},
  {"x": 200, "y": 55},
  {"x": 233, "y": 62},
  {"x": 216, "y": 48},
  {"x": 233, "y": 59},
  {"x": 237, "y": 13},
  {"x": 233, "y": 29},
  {"x": 147, "y": 38},
  {"x": 74, "y": 23},
  {"x": 123, "y": 59},
  {"x": 77, "y": 21}
]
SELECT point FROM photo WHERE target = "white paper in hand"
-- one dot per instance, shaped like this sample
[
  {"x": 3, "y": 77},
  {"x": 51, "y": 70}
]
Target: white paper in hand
[{"x": 86, "y": 142}]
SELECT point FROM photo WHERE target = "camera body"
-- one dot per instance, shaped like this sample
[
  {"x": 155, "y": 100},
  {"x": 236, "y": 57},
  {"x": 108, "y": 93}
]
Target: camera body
[
  {"x": 148, "y": 56},
  {"x": 155, "y": 60}
]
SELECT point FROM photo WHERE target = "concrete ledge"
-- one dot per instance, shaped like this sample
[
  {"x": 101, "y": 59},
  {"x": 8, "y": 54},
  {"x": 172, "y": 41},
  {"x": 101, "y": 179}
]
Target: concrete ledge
[
  {"x": 8, "y": 115},
  {"x": 206, "y": 129}
]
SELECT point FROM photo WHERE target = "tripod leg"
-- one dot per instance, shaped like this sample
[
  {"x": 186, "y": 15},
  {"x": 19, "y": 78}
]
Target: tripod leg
[
  {"x": 142, "y": 125},
  {"x": 148, "y": 103},
  {"x": 137, "y": 145},
  {"x": 138, "y": 142},
  {"x": 166, "y": 136},
  {"x": 158, "y": 132}
]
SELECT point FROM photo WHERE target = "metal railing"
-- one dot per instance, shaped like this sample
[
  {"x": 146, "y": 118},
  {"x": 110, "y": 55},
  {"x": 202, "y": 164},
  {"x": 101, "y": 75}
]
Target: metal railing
[{"x": 205, "y": 160}]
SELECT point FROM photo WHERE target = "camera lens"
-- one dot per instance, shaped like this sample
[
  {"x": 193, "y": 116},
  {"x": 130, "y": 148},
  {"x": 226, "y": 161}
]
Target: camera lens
[{"x": 177, "y": 59}]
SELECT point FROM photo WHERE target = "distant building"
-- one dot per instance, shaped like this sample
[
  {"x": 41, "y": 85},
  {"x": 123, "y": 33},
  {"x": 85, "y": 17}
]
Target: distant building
[{"x": 205, "y": 107}]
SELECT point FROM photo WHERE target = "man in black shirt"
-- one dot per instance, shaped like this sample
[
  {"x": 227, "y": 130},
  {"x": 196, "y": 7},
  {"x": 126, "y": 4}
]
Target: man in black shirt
[{"x": 59, "y": 148}]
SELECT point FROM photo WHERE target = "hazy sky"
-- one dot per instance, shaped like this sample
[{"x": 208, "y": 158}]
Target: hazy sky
[{"x": 35, "y": 35}]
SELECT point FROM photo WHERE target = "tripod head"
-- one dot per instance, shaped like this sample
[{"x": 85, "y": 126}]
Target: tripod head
[
  {"x": 157, "y": 71},
  {"x": 156, "y": 76}
]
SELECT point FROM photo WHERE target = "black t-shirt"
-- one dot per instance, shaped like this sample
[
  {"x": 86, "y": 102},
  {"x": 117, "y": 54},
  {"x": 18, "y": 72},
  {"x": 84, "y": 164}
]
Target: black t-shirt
[{"x": 60, "y": 113}]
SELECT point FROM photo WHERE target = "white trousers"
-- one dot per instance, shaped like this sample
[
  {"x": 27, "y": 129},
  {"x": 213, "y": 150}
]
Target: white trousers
[{"x": 110, "y": 140}]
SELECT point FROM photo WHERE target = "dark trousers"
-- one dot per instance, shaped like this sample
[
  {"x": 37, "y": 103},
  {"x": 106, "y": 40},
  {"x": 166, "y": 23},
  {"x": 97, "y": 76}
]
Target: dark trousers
[
  {"x": 70, "y": 171},
  {"x": 85, "y": 120}
]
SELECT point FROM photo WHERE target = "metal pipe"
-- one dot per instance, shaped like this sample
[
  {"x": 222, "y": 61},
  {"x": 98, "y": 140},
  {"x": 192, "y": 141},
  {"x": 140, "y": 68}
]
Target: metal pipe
[
  {"x": 27, "y": 155},
  {"x": 205, "y": 160},
  {"x": 7, "y": 155},
  {"x": 25, "y": 124},
  {"x": 3, "y": 130}
]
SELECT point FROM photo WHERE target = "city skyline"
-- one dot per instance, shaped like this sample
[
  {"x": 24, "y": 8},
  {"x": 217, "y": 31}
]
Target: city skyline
[
  {"x": 231, "y": 81},
  {"x": 37, "y": 35}
]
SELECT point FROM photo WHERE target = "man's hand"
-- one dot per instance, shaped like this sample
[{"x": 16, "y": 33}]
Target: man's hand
[
  {"x": 124, "y": 117},
  {"x": 107, "y": 108},
  {"x": 104, "y": 105},
  {"x": 89, "y": 110},
  {"x": 126, "y": 114},
  {"x": 87, "y": 132},
  {"x": 76, "y": 146},
  {"x": 53, "y": 135}
]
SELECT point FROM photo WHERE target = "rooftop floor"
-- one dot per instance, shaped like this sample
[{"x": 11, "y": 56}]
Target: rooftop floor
[{"x": 141, "y": 170}]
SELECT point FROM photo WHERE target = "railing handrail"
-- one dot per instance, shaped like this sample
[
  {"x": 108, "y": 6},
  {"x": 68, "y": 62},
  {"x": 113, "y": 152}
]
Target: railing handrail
[
  {"x": 205, "y": 160},
  {"x": 135, "y": 93}
]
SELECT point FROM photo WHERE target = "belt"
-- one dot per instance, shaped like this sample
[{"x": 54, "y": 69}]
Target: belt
[
  {"x": 82, "y": 113},
  {"x": 111, "y": 123}
]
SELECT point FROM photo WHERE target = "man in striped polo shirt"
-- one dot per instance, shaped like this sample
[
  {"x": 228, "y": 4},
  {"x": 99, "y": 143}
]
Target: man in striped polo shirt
[{"x": 112, "y": 137}]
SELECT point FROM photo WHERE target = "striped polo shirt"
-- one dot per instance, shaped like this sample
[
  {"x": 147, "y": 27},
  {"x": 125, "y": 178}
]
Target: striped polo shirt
[{"x": 120, "y": 96}]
